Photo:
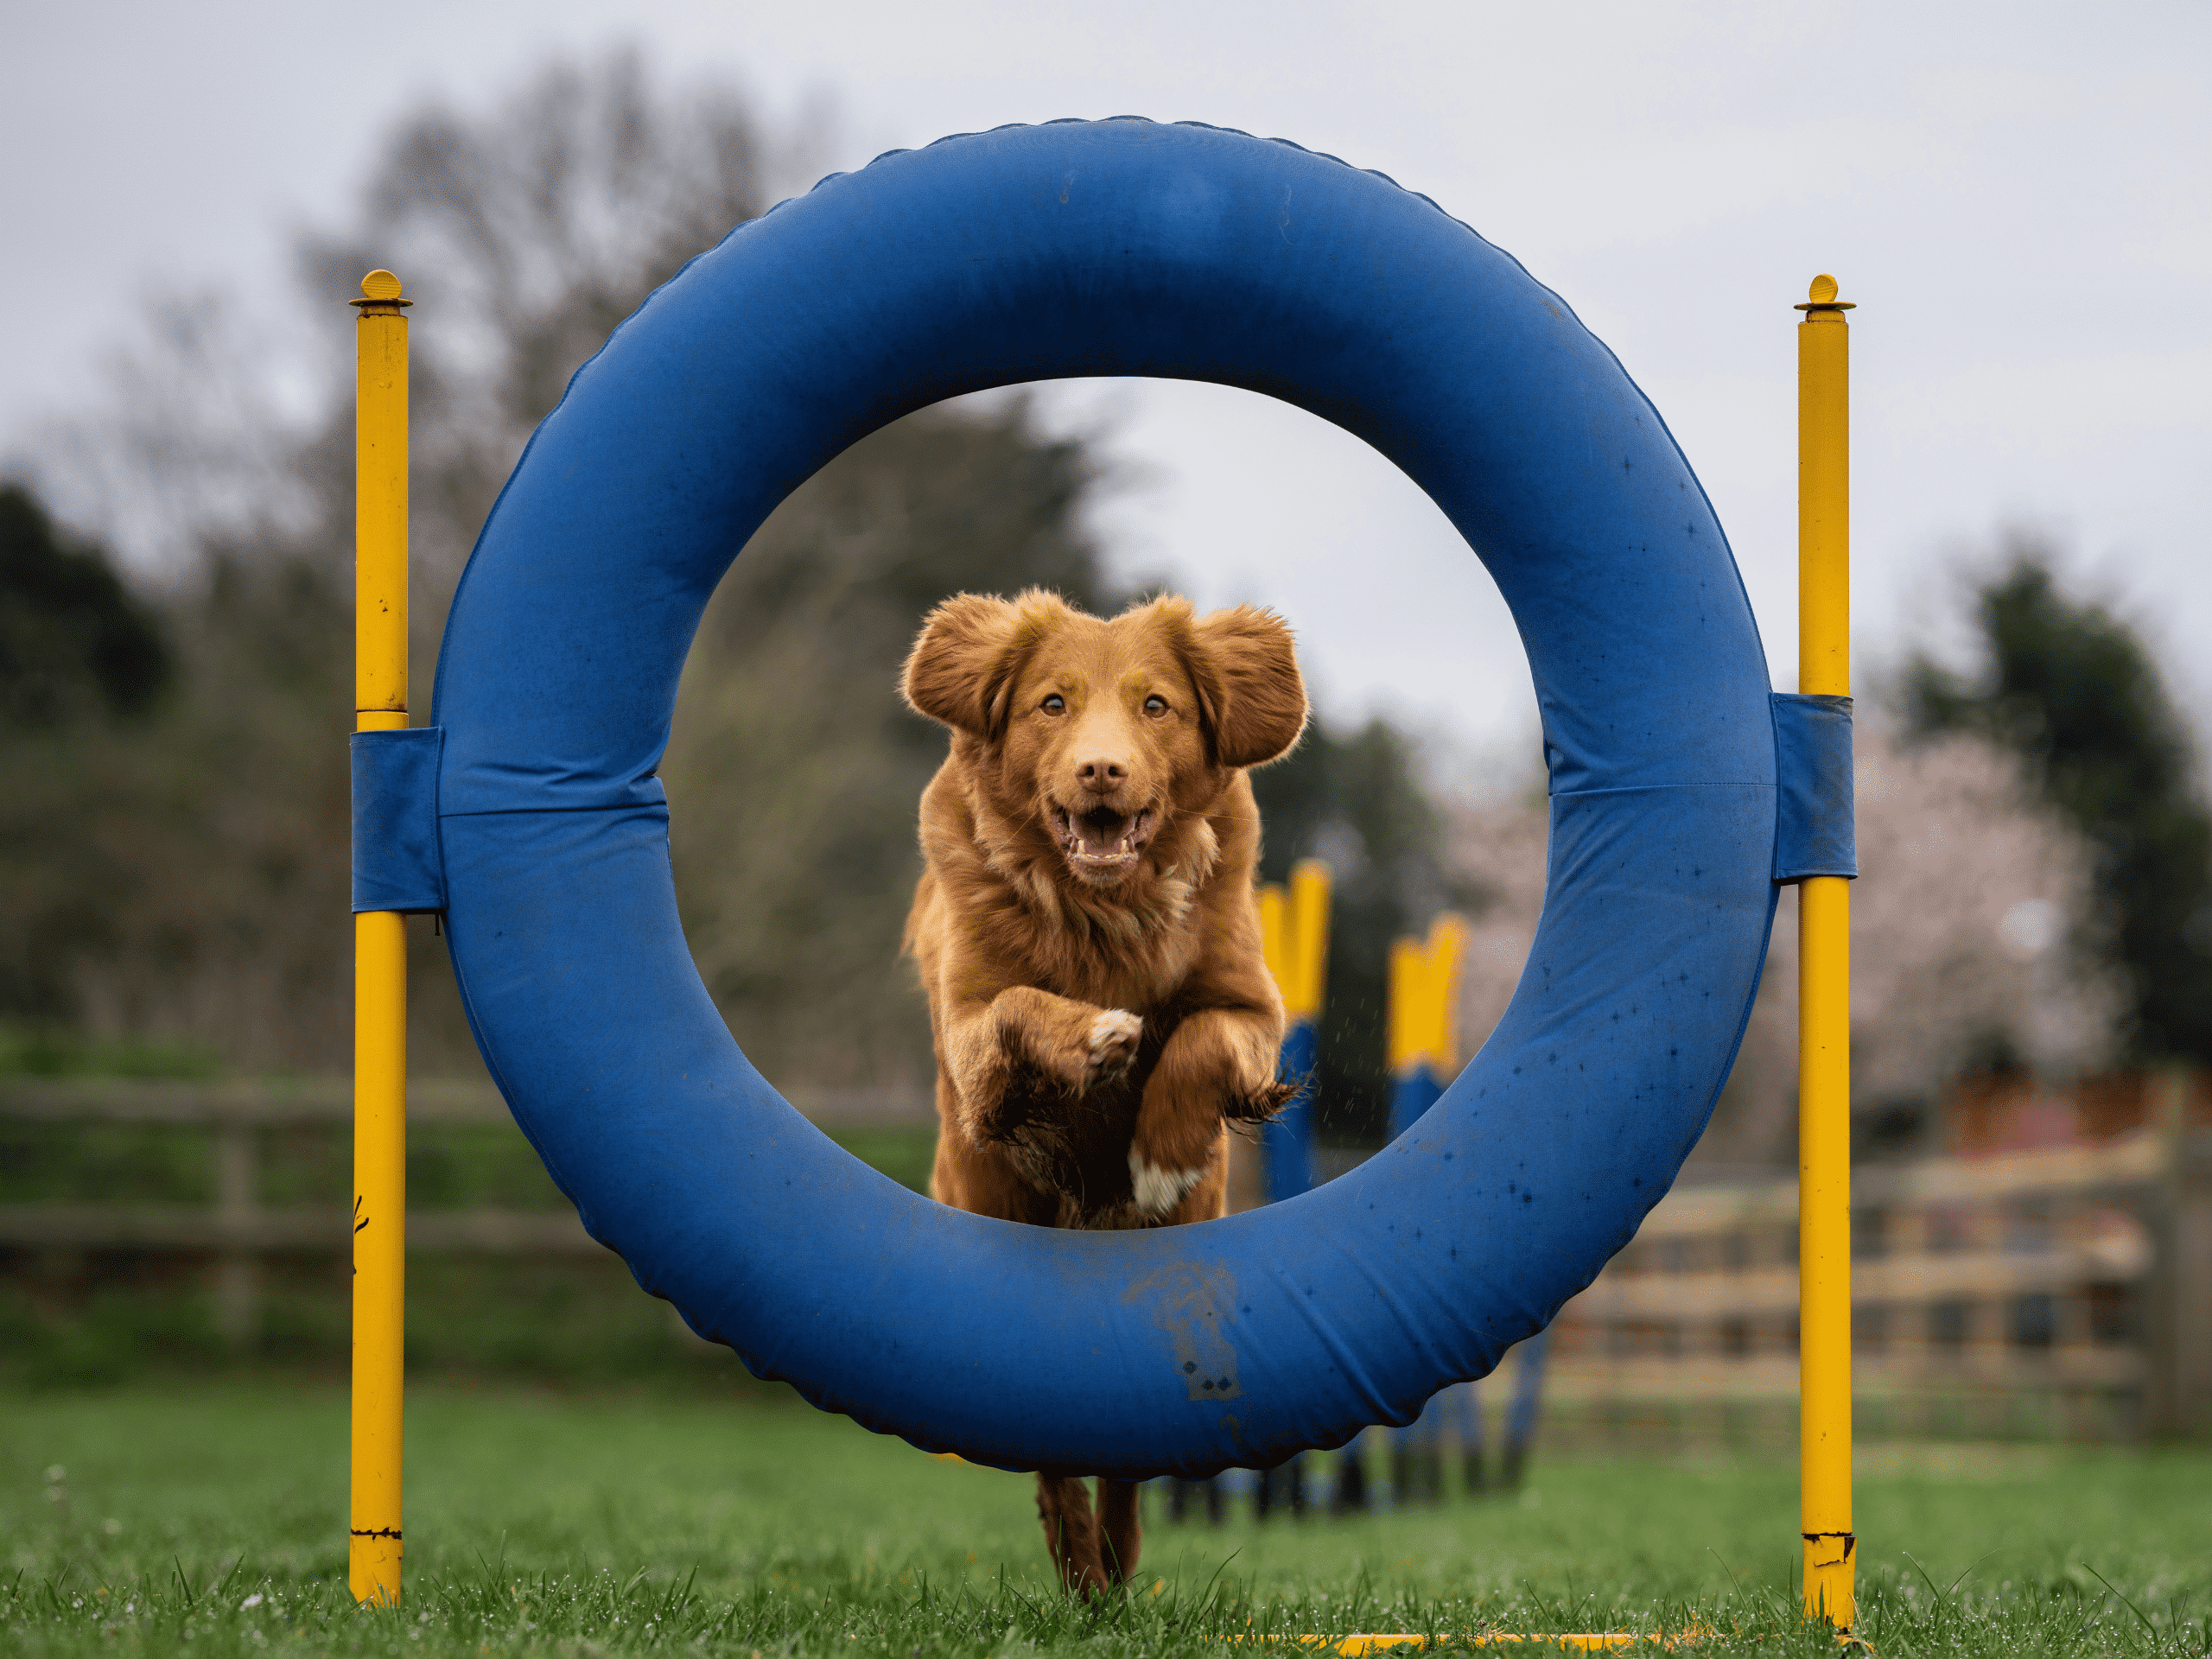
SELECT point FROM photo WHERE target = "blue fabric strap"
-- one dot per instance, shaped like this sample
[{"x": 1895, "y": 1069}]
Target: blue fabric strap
[
  {"x": 397, "y": 864},
  {"x": 1815, "y": 822}
]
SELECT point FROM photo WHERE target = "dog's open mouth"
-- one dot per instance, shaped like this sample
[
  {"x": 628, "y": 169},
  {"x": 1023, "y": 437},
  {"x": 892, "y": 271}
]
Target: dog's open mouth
[{"x": 1101, "y": 840}]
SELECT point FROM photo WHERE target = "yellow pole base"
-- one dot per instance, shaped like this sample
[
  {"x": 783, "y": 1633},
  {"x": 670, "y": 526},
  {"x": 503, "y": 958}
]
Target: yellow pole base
[
  {"x": 1831, "y": 1579},
  {"x": 372, "y": 1570}
]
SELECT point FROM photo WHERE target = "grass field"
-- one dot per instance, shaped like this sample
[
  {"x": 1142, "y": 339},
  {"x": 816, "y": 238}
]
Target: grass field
[{"x": 212, "y": 1515}]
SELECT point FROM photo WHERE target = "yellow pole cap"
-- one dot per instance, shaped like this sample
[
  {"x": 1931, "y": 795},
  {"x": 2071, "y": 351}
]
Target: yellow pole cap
[
  {"x": 380, "y": 288},
  {"x": 1821, "y": 296}
]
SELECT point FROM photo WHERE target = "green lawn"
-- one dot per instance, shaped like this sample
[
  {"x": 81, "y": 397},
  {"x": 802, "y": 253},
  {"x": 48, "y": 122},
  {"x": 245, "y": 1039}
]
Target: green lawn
[{"x": 211, "y": 1514}]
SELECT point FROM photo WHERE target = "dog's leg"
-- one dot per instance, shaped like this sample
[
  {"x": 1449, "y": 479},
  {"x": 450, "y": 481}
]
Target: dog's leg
[
  {"x": 1123, "y": 1525},
  {"x": 1208, "y": 1200},
  {"x": 1070, "y": 1533},
  {"x": 1076, "y": 1045},
  {"x": 1220, "y": 1062}
]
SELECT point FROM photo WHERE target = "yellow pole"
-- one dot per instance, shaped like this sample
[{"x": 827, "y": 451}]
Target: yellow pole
[
  {"x": 1294, "y": 937},
  {"x": 1422, "y": 1023},
  {"x": 1309, "y": 939},
  {"x": 1824, "y": 980},
  {"x": 380, "y": 953}
]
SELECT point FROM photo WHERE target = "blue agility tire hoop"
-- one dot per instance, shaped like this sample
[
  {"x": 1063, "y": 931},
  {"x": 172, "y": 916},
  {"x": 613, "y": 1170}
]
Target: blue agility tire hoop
[{"x": 1107, "y": 248}]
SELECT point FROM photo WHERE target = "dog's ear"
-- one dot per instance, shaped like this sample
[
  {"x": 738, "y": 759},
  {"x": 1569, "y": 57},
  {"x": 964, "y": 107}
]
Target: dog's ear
[
  {"x": 971, "y": 651},
  {"x": 1251, "y": 696}
]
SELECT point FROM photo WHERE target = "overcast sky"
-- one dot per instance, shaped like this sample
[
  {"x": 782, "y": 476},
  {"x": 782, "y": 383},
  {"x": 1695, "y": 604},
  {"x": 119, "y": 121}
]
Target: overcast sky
[{"x": 2015, "y": 196}]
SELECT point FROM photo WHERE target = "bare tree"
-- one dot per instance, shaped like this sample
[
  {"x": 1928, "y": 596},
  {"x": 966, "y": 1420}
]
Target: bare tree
[
  {"x": 525, "y": 234},
  {"x": 192, "y": 441},
  {"x": 189, "y": 881}
]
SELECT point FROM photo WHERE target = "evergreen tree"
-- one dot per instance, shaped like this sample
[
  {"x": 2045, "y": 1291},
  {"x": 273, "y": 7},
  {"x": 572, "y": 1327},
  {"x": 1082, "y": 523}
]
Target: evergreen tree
[{"x": 74, "y": 641}]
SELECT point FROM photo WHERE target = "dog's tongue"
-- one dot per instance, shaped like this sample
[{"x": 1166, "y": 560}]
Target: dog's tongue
[{"x": 1101, "y": 835}]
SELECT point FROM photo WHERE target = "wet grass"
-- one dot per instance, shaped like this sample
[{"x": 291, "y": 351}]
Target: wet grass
[{"x": 208, "y": 1519}]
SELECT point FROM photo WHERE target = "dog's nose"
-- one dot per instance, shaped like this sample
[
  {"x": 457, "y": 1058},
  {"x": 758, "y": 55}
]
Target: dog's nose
[{"x": 1102, "y": 777}]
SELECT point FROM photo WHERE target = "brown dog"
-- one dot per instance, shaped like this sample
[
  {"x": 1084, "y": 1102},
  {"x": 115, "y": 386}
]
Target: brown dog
[{"x": 1086, "y": 933}]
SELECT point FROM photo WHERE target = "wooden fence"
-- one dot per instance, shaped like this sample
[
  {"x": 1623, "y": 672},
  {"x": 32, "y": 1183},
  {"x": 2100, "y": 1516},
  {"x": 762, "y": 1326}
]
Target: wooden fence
[
  {"x": 2065, "y": 1291},
  {"x": 237, "y": 1230}
]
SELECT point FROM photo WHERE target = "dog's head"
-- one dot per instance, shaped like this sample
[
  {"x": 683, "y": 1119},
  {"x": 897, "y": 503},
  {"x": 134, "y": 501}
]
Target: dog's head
[{"x": 1103, "y": 733}]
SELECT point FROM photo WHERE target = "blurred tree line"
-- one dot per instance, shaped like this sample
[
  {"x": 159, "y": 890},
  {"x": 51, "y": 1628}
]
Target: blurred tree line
[
  {"x": 173, "y": 846},
  {"x": 2069, "y": 687},
  {"x": 2036, "y": 895}
]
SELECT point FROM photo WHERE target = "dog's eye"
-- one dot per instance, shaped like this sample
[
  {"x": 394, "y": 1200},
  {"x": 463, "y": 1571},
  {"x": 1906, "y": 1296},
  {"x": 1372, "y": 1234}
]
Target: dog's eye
[
  {"x": 1155, "y": 707},
  {"x": 1053, "y": 705}
]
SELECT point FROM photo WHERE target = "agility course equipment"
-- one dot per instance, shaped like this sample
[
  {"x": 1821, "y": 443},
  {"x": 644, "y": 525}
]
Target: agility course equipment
[
  {"x": 1423, "y": 1050},
  {"x": 1294, "y": 938},
  {"x": 1683, "y": 793},
  {"x": 1295, "y": 942},
  {"x": 1423, "y": 1046},
  {"x": 1824, "y": 982},
  {"x": 379, "y": 950}
]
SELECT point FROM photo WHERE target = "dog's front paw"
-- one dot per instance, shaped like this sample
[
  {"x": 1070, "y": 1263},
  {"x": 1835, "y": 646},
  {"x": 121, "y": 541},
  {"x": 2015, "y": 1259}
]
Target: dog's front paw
[
  {"x": 1113, "y": 1045},
  {"x": 1157, "y": 1190}
]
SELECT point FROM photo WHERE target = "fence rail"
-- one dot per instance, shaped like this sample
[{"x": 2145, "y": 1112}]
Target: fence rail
[
  {"x": 236, "y": 1230},
  {"x": 2078, "y": 1276},
  {"x": 330, "y": 1100},
  {"x": 319, "y": 1227},
  {"x": 2069, "y": 1285}
]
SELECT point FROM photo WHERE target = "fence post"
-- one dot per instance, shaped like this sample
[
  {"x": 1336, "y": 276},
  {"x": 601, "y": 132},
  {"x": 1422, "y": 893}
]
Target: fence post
[
  {"x": 2193, "y": 1258},
  {"x": 380, "y": 954},
  {"x": 2179, "y": 1290},
  {"x": 1824, "y": 983},
  {"x": 237, "y": 1270}
]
